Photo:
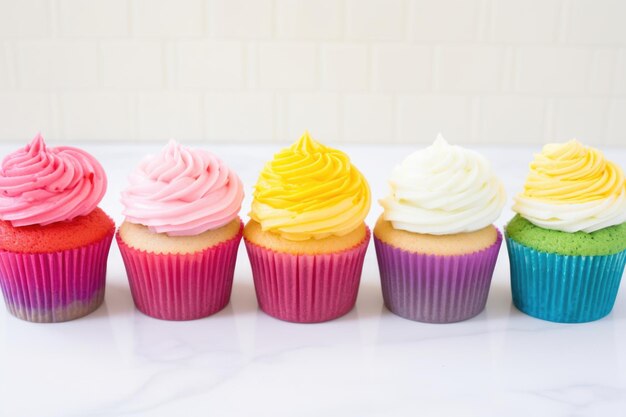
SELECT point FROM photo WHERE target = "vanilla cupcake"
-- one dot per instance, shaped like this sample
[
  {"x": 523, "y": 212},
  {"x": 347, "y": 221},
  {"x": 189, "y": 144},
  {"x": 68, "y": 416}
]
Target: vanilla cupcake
[
  {"x": 182, "y": 230},
  {"x": 567, "y": 244},
  {"x": 435, "y": 241},
  {"x": 307, "y": 238}
]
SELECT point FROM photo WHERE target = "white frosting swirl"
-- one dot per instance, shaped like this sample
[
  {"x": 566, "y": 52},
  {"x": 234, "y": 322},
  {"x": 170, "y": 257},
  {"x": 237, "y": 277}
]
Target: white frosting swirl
[
  {"x": 586, "y": 217},
  {"x": 443, "y": 190}
]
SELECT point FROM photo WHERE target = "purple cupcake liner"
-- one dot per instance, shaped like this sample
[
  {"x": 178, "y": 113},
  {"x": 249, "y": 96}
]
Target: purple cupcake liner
[
  {"x": 435, "y": 288},
  {"x": 56, "y": 286}
]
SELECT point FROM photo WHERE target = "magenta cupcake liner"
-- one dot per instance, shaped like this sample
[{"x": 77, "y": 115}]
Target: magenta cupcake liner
[
  {"x": 435, "y": 288},
  {"x": 181, "y": 286},
  {"x": 306, "y": 288},
  {"x": 56, "y": 286}
]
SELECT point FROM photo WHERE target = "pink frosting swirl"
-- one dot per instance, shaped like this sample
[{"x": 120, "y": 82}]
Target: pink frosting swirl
[
  {"x": 41, "y": 185},
  {"x": 182, "y": 192}
]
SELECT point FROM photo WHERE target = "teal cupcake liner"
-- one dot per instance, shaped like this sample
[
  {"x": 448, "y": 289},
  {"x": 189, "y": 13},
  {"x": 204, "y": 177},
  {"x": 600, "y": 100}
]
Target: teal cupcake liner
[{"x": 564, "y": 288}]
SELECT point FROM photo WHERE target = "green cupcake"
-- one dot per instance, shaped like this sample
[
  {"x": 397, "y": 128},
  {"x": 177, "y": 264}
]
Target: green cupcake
[{"x": 567, "y": 244}]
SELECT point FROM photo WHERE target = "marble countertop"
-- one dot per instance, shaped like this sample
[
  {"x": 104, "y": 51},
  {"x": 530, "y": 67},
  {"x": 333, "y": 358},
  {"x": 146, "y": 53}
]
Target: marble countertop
[{"x": 241, "y": 362}]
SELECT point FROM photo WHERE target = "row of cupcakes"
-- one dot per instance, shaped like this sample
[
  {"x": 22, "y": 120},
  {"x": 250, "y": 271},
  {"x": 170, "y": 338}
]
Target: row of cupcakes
[{"x": 306, "y": 239}]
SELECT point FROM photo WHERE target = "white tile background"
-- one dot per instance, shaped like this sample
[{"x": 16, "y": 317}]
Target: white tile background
[{"x": 480, "y": 71}]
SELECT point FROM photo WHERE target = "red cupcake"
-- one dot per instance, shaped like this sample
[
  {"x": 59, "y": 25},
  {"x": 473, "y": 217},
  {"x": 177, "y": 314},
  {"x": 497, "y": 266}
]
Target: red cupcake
[{"x": 54, "y": 240}]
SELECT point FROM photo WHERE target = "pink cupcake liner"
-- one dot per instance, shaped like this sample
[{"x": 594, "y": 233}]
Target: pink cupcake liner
[
  {"x": 433, "y": 288},
  {"x": 181, "y": 286},
  {"x": 306, "y": 288},
  {"x": 56, "y": 286}
]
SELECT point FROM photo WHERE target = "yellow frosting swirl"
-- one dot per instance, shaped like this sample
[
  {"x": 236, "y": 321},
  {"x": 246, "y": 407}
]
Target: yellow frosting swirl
[
  {"x": 572, "y": 173},
  {"x": 573, "y": 188},
  {"x": 310, "y": 191}
]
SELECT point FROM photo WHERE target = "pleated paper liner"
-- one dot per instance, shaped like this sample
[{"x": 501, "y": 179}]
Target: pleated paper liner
[
  {"x": 306, "y": 288},
  {"x": 181, "y": 286},
  {"x": 57, "y": 286},
  {"x": 563, "y": 288},
  {"x": 435, "y": 288}
]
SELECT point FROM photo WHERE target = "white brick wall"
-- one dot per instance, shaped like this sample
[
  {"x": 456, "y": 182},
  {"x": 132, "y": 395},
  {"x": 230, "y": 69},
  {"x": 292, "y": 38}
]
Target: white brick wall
[
  {"x": 402, "y": 68},
  {"x": 240, "y": 19},
  {"x": 444, "y": 20},
  {"x": 528, "y": 21},
  {"x": 345, "y": 67},
  {"x": 480, "y": 71},
  {"x": 57, "y": 65},
  {"x": 97, "y": 18},
  {"x": 168, "y": 18},
  {"x": 130, "y": 65},
  {"x": 289, "y": 65}
]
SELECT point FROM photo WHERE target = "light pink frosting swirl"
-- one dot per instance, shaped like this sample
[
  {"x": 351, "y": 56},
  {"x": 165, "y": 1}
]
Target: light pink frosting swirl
[
  {"x": 41, "y": 185},
  {"x": 182, "y": 192}
]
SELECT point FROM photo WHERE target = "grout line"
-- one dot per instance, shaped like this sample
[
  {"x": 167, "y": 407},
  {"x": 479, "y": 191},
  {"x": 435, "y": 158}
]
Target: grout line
[
  {"x": 342, "y": 12},
  {"x": 245, "y": 63},
  {"x": 165, "y": 72},
  {"x": 276, "y": 129},
  {"x": 409, "y": 15},
  {"x": 484, "y": 21},
  {"x": 273, "y": 20},
  {"x": 604, "y": 128},
  {"x": 549, "y": 120},
  {"x": 607, "y": 122},
  {"x": 54, "y": 18},
  {"x": 10, "y": 55},
  {"x": 476, "y": 124},
  {"x": 515, "y": 70},
  {"x": 369, "y": 69},
  {"x": 205, "y": 22},
  {"x": 506, "y": 82},
  {"x": 340, "y": 116},
  {"x": 133, "y": 105},
  {"x": 56, "y": 114},
  {"x": 435, "y": 66},
  {"x": 394, "y": 117},
  {"x": 129, "y": 23},
  {"x": 204, "y": 131},
  {"x": 563, "y": 24},
  {"x": 317, "y": 61}
]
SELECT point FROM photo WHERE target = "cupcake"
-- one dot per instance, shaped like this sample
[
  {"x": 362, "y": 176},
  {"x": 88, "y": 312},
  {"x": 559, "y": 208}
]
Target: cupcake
[
  {"x": 567, "y": 242},
  {"x": 54, "y": 240},
  {"x": 435, "y": 241},
  {"x": 306, "y": 238},
  {"x": 180, "y": 236}
]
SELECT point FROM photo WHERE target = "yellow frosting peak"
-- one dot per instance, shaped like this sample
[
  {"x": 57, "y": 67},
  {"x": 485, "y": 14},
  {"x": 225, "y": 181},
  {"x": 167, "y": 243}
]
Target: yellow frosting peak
[
  {"x": 307, "y": 144},
  {"x": 310, "y": 191},
  {"x": 571, "y": 173}
]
